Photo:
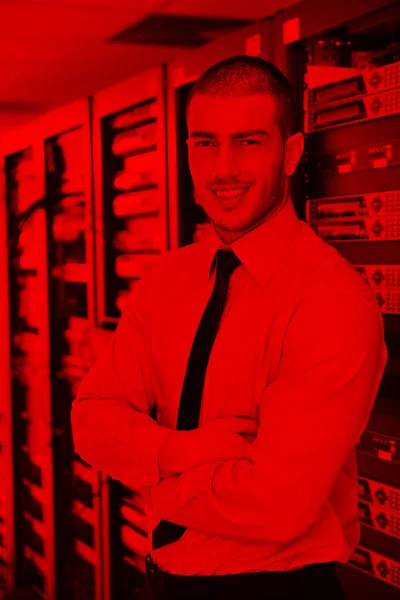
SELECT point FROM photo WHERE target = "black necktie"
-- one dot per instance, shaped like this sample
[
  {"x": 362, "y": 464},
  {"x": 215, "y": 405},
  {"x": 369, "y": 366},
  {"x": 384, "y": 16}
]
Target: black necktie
[{"x": 192, "y": 390}]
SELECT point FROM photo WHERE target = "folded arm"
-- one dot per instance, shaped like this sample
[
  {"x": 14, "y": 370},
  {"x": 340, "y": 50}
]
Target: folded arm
[
  {"x": 311, "y": 416},
  {"x": 111, "y": 423}
]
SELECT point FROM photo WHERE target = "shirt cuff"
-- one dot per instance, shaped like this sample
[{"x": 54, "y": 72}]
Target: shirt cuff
[{"x": 153, "y": 438}]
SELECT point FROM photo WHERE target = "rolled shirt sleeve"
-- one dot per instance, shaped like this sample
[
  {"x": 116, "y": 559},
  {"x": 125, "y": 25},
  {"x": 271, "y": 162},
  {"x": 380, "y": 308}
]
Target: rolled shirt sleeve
[
  {"x": 311, "y": 416},
  {"x": 111, "y": 424}
]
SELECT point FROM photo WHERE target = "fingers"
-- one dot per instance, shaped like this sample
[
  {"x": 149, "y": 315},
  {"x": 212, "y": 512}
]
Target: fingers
[
  {"x": 246, "y": 425},
  {"x": 250, "y": 427},
  {"x": 249, "y": 437}
]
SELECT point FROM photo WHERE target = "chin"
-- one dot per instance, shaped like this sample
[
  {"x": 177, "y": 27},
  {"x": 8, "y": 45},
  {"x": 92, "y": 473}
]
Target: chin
[{"x": 231, "y": 225}]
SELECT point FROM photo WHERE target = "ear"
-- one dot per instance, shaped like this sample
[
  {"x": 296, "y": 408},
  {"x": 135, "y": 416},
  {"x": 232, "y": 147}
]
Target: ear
[{"x": 294, "y": 147}]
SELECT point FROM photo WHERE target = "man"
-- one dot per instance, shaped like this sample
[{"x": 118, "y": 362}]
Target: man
[{"x": 284, "y": 351}]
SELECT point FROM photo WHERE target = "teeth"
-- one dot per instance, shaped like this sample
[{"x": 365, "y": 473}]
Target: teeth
[{"x": 231, "y": 193}]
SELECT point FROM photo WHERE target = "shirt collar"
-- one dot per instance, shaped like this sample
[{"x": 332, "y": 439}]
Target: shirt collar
[{"x": 261, "y": 249}]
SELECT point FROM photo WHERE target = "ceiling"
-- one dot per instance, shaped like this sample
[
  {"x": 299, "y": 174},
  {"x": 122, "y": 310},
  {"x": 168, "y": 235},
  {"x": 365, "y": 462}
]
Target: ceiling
[{"x": 55, "y": 51}]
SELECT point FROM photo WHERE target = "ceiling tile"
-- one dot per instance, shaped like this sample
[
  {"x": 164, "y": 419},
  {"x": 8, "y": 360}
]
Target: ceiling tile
[
  {"x": 60, "y": 81},
  {"x": 134, "y": 5},
  {"x": 63, "y": 22},
  {"x": 33, "y": 50}
]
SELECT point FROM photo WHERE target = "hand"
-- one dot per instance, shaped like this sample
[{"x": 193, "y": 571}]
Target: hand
[{"x": 225, "y": 438}]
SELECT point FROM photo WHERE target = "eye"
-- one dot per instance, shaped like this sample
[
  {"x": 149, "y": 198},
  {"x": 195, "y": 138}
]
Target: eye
[
  {"x": 202, "y": 144},
  {"x": 249, "y": 142}
]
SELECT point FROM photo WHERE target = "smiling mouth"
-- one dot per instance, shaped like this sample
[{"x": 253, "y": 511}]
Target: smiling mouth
[{"x": 230, "y": 193}]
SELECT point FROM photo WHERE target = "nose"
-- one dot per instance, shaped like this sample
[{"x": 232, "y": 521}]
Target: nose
[{"x": 226, "y": 164}]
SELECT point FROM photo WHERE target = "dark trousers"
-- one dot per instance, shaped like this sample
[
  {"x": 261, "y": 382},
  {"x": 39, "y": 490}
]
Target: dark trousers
[{"x": 314, "y": 582}]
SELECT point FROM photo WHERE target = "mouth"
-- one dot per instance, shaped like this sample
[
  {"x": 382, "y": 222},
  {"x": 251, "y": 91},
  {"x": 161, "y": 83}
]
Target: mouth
[{"x": 229, "y": 197}]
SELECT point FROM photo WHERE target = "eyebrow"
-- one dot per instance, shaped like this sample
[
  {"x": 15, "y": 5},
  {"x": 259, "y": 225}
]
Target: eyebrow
[{"x": 235, "y": 136}]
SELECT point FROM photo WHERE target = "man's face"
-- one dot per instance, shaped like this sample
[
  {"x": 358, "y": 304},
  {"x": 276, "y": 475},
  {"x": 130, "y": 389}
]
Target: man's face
[{"x": 237, "y": 160}]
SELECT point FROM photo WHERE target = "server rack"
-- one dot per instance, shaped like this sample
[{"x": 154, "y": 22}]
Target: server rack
[
  {"x": 7, "y": 575},
  {"x": 60, "y": 538},
  {"x": 131, "y": 227},
  {"x": 80, "y": 491},
  {"x": 131, "y": 230},
  {"x": 7, "y": 532},
  {"x": 28, "y": 404},
  {"x": 346, "y": 72}
]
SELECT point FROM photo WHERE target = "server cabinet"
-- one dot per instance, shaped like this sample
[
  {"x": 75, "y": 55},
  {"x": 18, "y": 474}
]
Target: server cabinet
[
  {"x": 7, "y": 534},
  {"x": 130, "y": 174},
  {"x": 7, "y": 551},
  {"x": 60, "y": 539},
  {"x": 345, "y": 69},
  {"x": 131, "y": 230},
  {"x": 80, "y": 491},
  {"x": 26, "y": 361}
]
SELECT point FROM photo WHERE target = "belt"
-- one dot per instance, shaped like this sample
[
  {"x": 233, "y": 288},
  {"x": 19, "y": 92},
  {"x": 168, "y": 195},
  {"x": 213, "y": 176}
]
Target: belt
[{"x": 290, "y": 581}]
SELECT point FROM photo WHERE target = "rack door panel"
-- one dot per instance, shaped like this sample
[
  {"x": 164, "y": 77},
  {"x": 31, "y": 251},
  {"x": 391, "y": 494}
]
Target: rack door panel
[
  {"x": 81, "y": 534},
  {"x": 30, "y": 397},
  {"x": 131, "y": 228},
  {"x": 7, "y": 542}
]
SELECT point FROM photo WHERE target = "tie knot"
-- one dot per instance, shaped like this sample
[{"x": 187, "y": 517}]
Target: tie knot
[{"x": 227, "y": 261}]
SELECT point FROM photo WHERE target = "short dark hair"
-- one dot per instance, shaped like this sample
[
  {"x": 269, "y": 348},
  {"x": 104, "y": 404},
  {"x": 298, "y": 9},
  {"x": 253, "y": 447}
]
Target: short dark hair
[{"x": 242, "y": 75}]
